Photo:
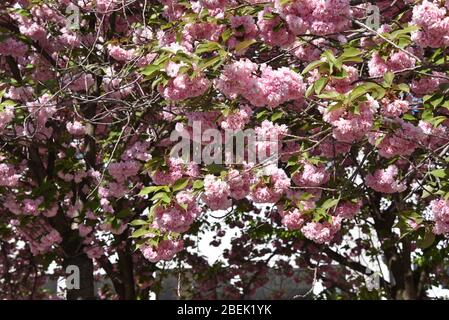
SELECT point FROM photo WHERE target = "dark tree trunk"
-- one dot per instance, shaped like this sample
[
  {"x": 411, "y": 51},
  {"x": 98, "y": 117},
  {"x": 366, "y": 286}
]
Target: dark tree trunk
[
  {"x": 403, "y": 285},
  {"x": 126, "y": 267},
  {"x": 86, "y": 280}
]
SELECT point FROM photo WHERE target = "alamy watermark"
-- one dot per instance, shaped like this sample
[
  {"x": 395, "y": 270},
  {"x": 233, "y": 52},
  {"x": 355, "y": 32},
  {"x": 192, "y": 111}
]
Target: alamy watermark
[
  {"x": 373, "y": 17},
  {"x": 73, "y": 17},
  {"x": 72, "y": 280}
]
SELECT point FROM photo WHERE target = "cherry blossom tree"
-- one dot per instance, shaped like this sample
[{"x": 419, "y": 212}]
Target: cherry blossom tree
[{"x": 343, "y": 127}]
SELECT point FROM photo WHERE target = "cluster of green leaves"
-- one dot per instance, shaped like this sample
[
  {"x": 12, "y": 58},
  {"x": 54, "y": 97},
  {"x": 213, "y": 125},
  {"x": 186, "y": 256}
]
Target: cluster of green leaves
[
  {"x": 401, "y": 38},
  {"x": 423, "y": 236},
  {"x": 432, "y": 103}
]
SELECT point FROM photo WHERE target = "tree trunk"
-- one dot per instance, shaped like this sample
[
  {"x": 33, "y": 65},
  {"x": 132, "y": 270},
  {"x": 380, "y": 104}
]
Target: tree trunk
[
  {"x": 86, "y": 277},
  {"x": 126, "y": 267},
  {"x": 398, "y": 260}
]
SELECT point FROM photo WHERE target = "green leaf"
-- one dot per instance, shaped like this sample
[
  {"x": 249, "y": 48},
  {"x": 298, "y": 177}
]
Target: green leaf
[
  {"x": 138, "y": 222},
  {"x": 436, "y": 121},
  {"x": 139, "y": 233},
  {"x": 379, "y": 140},
  {"x": 226, "y": 35},
  {"x": 403, "y": 87},
  {"x": 320, "y": 84},
  {"x": 262, "y": 115},
  {"x": 436, "y": 100},
  {"x": 151, "y": 69},
  {"x": 312, "y": 66},
  {"x": 207, "y": 47},
  {"x": 162, "y": 196},
  {"x": 277, "y": 115},
  {"x": 152, "y": 189},
  {"x": 350, "y": 55},
  {"x": 330, "y": 203},
  {"x": 6, "y": 104},
  {"x": 284, "y": 2},
  {"x": 309, "y": 90},
  {"x": 244, "y": 44},
  {"x": 215, "y": 168},
  {"x": 330, "y": 58},
  {"x": 180, "y": 184},
  {"x": 198, "y": 184},
  {"x": 388, "y": 79},
  {"x": 408, "y": 117},
  {"x": 124, "y": 213},
  {"x": 427, "y": 240},
  {"x": 211, "y": 62},
  {"x": 350, "y": 52},
  {"x": 333, "y": 95},
  {"x": 439, "y": 173},
  {"x": 292, "y": 161}
]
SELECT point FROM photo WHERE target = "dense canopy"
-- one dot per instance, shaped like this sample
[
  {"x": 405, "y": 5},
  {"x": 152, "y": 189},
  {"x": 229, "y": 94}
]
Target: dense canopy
[{"x": 296, "y": 134}]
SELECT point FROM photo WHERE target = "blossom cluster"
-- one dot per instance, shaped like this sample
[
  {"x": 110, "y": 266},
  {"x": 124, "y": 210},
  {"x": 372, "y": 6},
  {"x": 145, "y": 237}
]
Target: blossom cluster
[{"x": 271, "y": 88}]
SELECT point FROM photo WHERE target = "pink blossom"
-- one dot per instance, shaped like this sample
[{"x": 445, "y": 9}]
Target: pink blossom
[
  {"x": 216, "y": 193},
  {"x": 295, "y": 218},
  {"x": 106, "y": 6},
  {"x": 79, "y": 82},
  {"x": 202, "y": 31},
  {"x": 5, "y": 117},
  {"x": 440, "y": 210},
  {"x": 270, "y": 32},
  {"x": 8, "y": 175},
  {"x": 94, "y": 252},
  {"x": 244, "y": 29},
  {"x": 31, "y": 206},
  {"x": 76, "y": 128},
  {"x": 384, "y": 180},
  {"x": 69, "y": 39},
  {"x": 311, "y": 176},
  {"x": 349, "y": 126},
  {"x": 175, "y": 217},
  {"x": 239, "y": 183},
  {"x": 330, "y": 148},
  {"x": 397, "y": 61},
  {"x": 237, "y": 78},
  {"x": 433, "y": 137},
  {"x": 138, "y": 151},
  {"x": 272, "y": 88},
  {"x": 238, "y": 119},
  {"x": 121, "y": 54},
  {"x": 165, "y": 250},
  {"x": 278, "y": 86},
  {"x": 428, "y": 84},
  {"x": 84, "y": 230},
  {"x": 177, "y": 168},
  {"x": 402, "y": 141},
  {"x": 395, "y": 108},
  {"x": 172, "y": 9},
  {"x": 12, "y": 47},
  {"x": 33, "y": 30},
  {"x": 348, "y": 209},
  {"x": 182, "y": 87},
  {"x": 322, "y": 232},
  {"x": 42, "y": 109},
  {"x": 271, "y": 189},
  {"x": 316, "y": 17},
  {"x": 20, "y": 93},
  {"x": 120, "y": 171},
  {"x": 308, "y": 52},
  {"x": 346, "y": 84},
  {"x": 433, "y": 23}
]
